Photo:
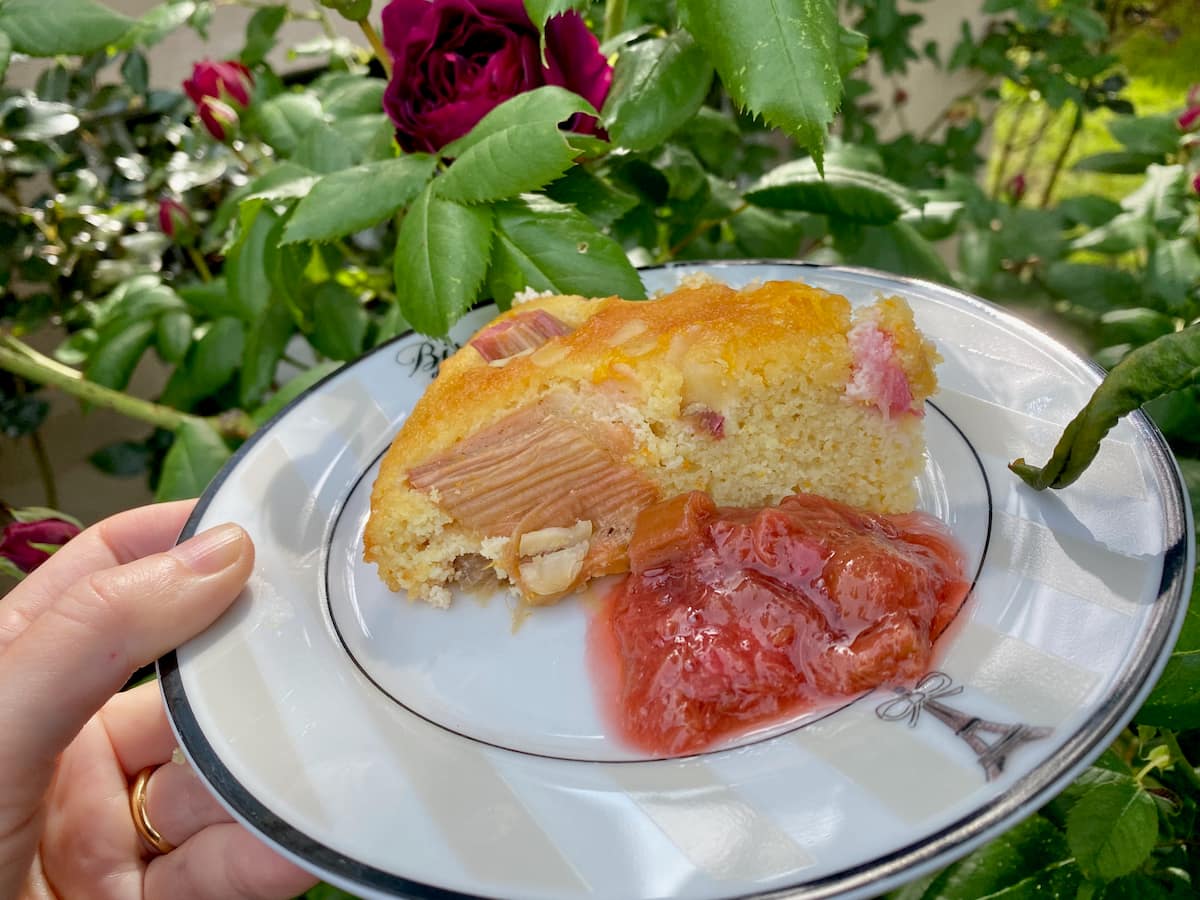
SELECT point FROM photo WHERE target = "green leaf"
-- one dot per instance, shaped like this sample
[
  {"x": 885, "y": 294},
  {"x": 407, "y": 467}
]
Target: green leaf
[
  {"x": 260, "y": 33},
  {"x": 324, "y": 150},
  {"x": 210, "y": 364},
  {"x": 293, "y": 389},
  {"x": 339, "y": 322},
  {"x": 657, "y": 86},
  {"x": 117, "y": 353},
  {"x": 173, "y": 335},
  {"x": 356, "y": 96},
  {"x": 541, "y": 10},
  {"x": 156, "y": 25},
  {"x": 369, "y": 138},
  {"x": 122, "y": 459},
  {"x": 1098, "y": 288},
  {"x": 1091, "y": 210},
  {"x": 551, "y": 247},
  {"x": 517, "y": 147},
  {"x": 136, "y": 71},
  {"x": 781, "y": 62},
  {"x": 441, "y": 260},
  {"x": 1155, "y": 135},
  {"x": 61, "y": 27},
  {"x": 209, "y": 299},
  {"x": 1028, "y": 862},
  {"x": 1173, "y": 272},
  {"x": 763, "y": 234},
  {"x": 283, "y": 121},
  {"x": 1112, "y": 829},
  {"x": 1117, "y": 162},
  {"x": 1175, "y": 700},
  {"x": 245, "y": 265},
  {"x": 1167, "y": 364},
  {"x": 349, "y": 201},
  {"x": 896, "y": 247},
  {"x": 593, "y": 195},
  {"x": 195, "y": 457},
  {"x": 265, "y": 342},
  {"x": 843, "y": 193},
  {"x": 6, "y": 49}
]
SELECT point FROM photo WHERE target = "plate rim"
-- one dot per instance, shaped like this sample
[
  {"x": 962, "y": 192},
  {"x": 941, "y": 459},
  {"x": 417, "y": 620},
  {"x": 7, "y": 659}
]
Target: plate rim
[{"x": 881, "y": 873}]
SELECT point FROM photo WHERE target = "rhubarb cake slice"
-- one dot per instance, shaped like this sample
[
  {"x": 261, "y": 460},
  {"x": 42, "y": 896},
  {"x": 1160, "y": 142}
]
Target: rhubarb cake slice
[{"x": 529, "y": 457}]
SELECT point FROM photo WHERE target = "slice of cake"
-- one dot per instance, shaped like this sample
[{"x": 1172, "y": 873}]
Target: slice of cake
[{"x": 529, "y": 457}]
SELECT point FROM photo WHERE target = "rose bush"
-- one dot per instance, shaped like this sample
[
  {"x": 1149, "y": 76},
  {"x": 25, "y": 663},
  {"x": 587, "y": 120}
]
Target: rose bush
[
  {"x": 453, "y": 62},
  {"x": 220, "y": 90}
]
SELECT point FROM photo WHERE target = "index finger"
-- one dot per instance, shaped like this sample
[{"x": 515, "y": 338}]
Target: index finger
[{"x": 112, "y": 542}]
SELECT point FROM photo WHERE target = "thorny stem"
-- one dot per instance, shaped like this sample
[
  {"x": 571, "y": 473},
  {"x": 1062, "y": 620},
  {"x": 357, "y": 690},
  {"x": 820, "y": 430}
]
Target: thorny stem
[
  {"x": 21, "y": 359},
  {"x": 198, "y": 261},
  {"x": 380, "y": 51},
  {"x": 1061, "y": 159},
  {"x": 45, "y": 470},
  {"x": 614, "y": 18}
]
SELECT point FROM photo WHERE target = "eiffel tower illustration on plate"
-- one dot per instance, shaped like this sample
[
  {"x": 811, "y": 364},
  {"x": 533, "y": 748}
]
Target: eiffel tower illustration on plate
[{"x": 991, "y": 741}]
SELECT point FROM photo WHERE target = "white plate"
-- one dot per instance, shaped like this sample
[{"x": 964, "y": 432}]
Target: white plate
[{"x": 400, "y": 750}]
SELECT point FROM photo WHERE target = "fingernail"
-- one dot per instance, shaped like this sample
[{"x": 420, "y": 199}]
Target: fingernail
[{"x": 211, "y": 551}]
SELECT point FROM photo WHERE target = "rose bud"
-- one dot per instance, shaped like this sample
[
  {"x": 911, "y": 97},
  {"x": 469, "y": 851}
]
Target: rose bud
[
  {"x": 220, "y": 90},
  {"x": 1189, "y": 119},
  {"x": 175, "y": 221},
  {"x": 1016, "y": 187},
  {"x": 1196, "y": 184},
  {"x": 454, "y": 61},
  {"x": 900, "y": 97},
  {"x": 26, "y": 545}
]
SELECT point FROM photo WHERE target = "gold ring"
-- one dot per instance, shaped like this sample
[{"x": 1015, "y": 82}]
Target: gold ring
[{"x": 141, "y": 821}]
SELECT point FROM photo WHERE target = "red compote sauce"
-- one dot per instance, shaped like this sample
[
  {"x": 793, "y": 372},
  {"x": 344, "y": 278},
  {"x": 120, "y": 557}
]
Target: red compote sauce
[{"x": 734, "y": 618}]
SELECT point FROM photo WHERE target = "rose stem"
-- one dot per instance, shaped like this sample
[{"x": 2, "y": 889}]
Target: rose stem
[
  {"x": 614, "y": 18},
  {"x": 381, "y": 54},
  {"x": 21, "y": 359},
  {"x": 198, "y": 261}
]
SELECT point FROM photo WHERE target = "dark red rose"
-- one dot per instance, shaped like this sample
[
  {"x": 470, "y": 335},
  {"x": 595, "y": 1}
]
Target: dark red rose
[
  {"x": 219, "y": 90},
  {"x": 456, "y": 60},
  {"x": 17, "y": 538},
  {"x": 1017, "y": 186},
  {"x": 174, "y": 220},
  {"x": 1189, "y": 118},
  {"x": 1196, "y": 184}
]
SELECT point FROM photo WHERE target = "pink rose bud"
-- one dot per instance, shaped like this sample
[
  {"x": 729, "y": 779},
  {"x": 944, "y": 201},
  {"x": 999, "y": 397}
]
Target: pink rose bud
[
  {"x": 454, "y": 61},
  {"x": 220, "y": 90},
  {"x": 175, "y": 221},
  {"x": 1016, "y": 186},
  {"x": 1189, "y": 119},
  {"x": 17, "y": 540}
]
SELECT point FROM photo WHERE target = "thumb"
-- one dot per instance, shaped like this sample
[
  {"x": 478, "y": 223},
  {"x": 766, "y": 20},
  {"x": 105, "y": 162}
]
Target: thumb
[{"x": 85, "y": 645}]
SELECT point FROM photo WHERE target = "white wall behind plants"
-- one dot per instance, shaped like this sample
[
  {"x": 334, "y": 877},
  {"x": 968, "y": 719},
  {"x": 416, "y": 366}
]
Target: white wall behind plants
[{"x": 70, "y": 436}]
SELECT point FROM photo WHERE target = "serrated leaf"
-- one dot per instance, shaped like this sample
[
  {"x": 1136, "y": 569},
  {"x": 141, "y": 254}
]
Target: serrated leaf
[
  {"x": 209, "y": 365},
  {"x": 541, "y": 10},
  {"x": 657, "y": 86},
  {"x": 1175, "y": 700},
  {"x": 551, "y": 247},
  {"x": 349, "y": 201},
  {"x": 323, "y": 150},
  {"x": 61, "y": 27},
  {"x": 246, "y": 279},
  {"x": 265, "y": 342},
  {"x": 1112, "y": 829},
  {"x": 1173, "y": 272},
  {"x": 780, "y": 62},
  {"x": 896, "y": 247},
  {"x": 517, "y": 147},
  {"x": 156, "y": 25},
  {"x": 1156, "y": 135},
  {"x": 593, "y": 195},
  {"x": 357, "y": 96},
  {"x": 117, "y": 353},
  {"x": 260, "y": 33},
  {"x": 173, "y": 335},
  {"x": 1029, "y": 862},
  {"x": 195, "y": 457},
  {"x": 441, "y": 259},
  {"x": 1117, "y": 162},
  {"x": 283, "y": 121},
  {"x": 1098, "y": 288},
  {"x": 339, "y": 322},
  {"x": 848, "y": 194}
]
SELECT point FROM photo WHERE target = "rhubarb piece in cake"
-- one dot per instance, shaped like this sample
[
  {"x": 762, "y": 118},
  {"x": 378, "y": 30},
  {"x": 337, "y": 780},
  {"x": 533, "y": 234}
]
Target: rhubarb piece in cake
[{"x": 531, "y": 454}]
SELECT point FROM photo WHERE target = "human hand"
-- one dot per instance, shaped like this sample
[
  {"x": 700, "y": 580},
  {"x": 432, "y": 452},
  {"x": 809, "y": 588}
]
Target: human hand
[{"x": 116, "y": 597}]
